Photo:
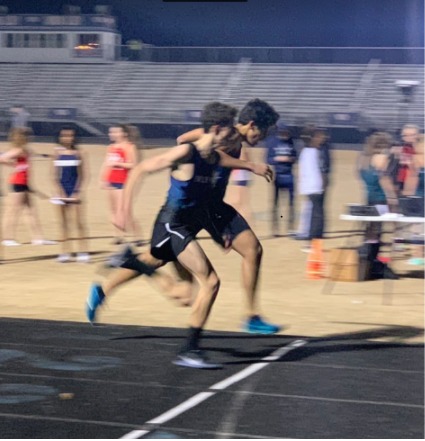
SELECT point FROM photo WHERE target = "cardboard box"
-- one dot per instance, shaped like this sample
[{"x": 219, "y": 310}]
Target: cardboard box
[{"x": 344, "y": 265}]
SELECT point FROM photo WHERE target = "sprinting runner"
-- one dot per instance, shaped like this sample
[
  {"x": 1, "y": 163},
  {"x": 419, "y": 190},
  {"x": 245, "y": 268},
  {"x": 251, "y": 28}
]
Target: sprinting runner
[
  {"x": 70, "y": 171},
  {"x": 194, "y": 167},
  {"x": 20, "y": 196},
  {"x": 120, "y": 160},
  {"x": 255, "y": 119}
]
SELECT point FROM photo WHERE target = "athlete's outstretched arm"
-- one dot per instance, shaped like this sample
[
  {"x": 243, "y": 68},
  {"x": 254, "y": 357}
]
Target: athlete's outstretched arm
[
  {"x": 192, "y": 136},
  {"x": 259, "y": 169},
  {"x": 149, "y": 166},
  {"x": 8, "y": 157}
]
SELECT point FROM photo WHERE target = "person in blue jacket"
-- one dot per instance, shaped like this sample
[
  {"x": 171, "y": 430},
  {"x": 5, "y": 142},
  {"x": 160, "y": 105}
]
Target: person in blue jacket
[{"x": 282, "y": 154}]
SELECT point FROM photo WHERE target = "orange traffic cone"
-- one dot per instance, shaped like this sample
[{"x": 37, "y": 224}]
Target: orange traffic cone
[{"x": 315, "y": 261}]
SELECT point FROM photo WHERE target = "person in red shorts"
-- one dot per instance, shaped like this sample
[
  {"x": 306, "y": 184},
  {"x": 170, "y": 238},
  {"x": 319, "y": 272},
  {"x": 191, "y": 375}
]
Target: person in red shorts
[
  {"x": 20, "y": 197},
  {"x": 121, "y": 158}
]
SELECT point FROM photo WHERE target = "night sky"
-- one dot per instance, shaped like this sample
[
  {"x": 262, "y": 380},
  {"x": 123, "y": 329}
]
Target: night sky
[{"x": 258, "y": 22}]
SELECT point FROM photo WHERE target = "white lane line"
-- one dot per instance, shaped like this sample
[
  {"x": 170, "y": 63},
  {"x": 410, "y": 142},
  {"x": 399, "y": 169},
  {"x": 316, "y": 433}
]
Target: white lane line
[
  {"x": 336, "y": 400},
  {"x": 257, "y": 366},
  {"x": 135, "y": 434},
  {"x": 199, "y": 398},
  {"x": 181, "y": 408}
]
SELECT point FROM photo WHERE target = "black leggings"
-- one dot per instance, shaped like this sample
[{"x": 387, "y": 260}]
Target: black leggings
[
  {"x": 317, "y": 224},
  {"x": 282, "y": 184}
]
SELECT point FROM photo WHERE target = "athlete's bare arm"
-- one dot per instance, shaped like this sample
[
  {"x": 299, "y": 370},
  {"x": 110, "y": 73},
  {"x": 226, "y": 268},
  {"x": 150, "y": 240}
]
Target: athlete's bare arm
[
  {"x": 191, "y": 136},
  {"x": 258, "y": 169},
  {"x": 8, "y": 157},
  {"x": 105, "y": 167},
  {"x": 149, "y": 166}
]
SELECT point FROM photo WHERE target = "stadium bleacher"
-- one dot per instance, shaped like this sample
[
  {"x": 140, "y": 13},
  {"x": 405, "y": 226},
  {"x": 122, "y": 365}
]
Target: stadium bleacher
[{"x": 161, "y": 92}]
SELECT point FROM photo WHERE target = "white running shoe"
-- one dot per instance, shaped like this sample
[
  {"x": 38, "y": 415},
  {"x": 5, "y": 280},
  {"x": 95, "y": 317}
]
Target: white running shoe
[
  {"x": 10, "y": 243},
  {"x": 83, "y": 258},
  {"x": 64, "y": 258},
  {"x": 43, "y": 242}
]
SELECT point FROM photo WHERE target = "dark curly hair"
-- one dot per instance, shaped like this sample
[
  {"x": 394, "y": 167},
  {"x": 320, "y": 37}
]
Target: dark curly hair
[
  {"x": 218, "y": 114},
  {"x": 262, "y": 113}
]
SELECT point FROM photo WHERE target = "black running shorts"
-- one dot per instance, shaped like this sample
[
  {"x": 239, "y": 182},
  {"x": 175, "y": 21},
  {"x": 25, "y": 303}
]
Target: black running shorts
[
  {"x": 224, "y": 221},
  {"x": 172, "y": 232}
]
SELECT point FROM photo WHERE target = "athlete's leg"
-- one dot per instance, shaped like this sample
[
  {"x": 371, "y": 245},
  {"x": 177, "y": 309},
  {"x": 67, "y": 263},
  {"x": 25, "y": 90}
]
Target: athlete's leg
[
  {"x": 196, "y": 262},
  {"x": 132, "y": 223},
  {"x": 65, "y": 245},
  {"x": 33, "y": 219},
  {"x": 249, "y": 247},
  {"x": 137, "y": 266},
  {"x": 82, "y": 230},
  {"x": 171, "y": 288},
  {"x": 130, "y": 268},
  {"x": 11, "y": 216},
  {"x": 114, "y": 198}
]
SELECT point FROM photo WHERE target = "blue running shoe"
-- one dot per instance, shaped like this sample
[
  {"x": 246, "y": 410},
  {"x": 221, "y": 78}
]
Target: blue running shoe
[
  {"x": 94, "y": 300},
  {"x": 256, "y": 325}
]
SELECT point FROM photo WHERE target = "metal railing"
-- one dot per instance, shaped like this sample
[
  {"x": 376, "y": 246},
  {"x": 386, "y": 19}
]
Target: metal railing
[{"x": 339, "y": 55}]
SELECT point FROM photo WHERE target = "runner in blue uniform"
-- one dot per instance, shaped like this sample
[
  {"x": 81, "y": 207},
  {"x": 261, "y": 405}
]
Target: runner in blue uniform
[
  {"x": 194, "y": 167},
  {"x": 226, "y": 226}
]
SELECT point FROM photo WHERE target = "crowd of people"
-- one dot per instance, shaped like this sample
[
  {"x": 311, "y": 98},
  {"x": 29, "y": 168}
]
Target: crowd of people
[{"x": 202, "y": 166}]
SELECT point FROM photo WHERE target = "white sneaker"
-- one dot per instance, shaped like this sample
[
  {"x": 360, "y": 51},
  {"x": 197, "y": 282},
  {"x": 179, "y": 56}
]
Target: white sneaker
[
  {"x": 83, "y": 258},
  {"x": 10, "y": 243},
  {"x": 43, "y": 242},
  {"x": 64, "y": 258}
]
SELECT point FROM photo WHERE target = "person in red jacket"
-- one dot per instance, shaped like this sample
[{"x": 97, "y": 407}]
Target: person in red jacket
[
  {"x": 120, "y": 159},
  {"x": 20, "y": 197}
]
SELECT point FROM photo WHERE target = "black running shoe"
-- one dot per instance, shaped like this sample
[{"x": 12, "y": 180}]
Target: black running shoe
[
  {"x": 196, "y": 360},
  {"x": 119, "y": 259}
]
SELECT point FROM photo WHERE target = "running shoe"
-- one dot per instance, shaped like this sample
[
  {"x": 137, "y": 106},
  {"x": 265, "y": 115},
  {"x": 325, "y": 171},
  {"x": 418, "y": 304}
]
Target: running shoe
[
  {"x": 83, "y": 258},
  {"x": 10, "y": 243},
  {"x": 94, "y": 300},
  {"x": 417, "y": 261},
  {"x": 302, "y": 238},
  {"x": 64, "y": 258},
  {"x": 256, "y": 325},
  {"x": 196, "y": 360},
  {"x": 43, "y": 242}
]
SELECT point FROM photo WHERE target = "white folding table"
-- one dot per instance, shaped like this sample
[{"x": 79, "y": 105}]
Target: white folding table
[{"x": 385, "y": 218}]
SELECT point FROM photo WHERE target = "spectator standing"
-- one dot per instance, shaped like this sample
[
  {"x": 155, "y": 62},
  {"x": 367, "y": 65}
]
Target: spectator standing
[{"x": 282, "y": 155}]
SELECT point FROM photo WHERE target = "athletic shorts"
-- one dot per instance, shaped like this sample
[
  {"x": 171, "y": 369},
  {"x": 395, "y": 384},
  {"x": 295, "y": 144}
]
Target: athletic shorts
[
  {"x": 69, "y": 190},
  {"x": 116, "y": 185},
  {"x": 173, "y": 231},
  {"x": 224, "y": 221},
  {"x": 241, "y": 183},
  {"x": 19, "y": 188}
]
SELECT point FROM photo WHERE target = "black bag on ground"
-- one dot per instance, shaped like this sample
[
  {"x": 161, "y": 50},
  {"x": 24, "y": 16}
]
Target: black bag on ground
[{"x": 370, "y": 268}]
